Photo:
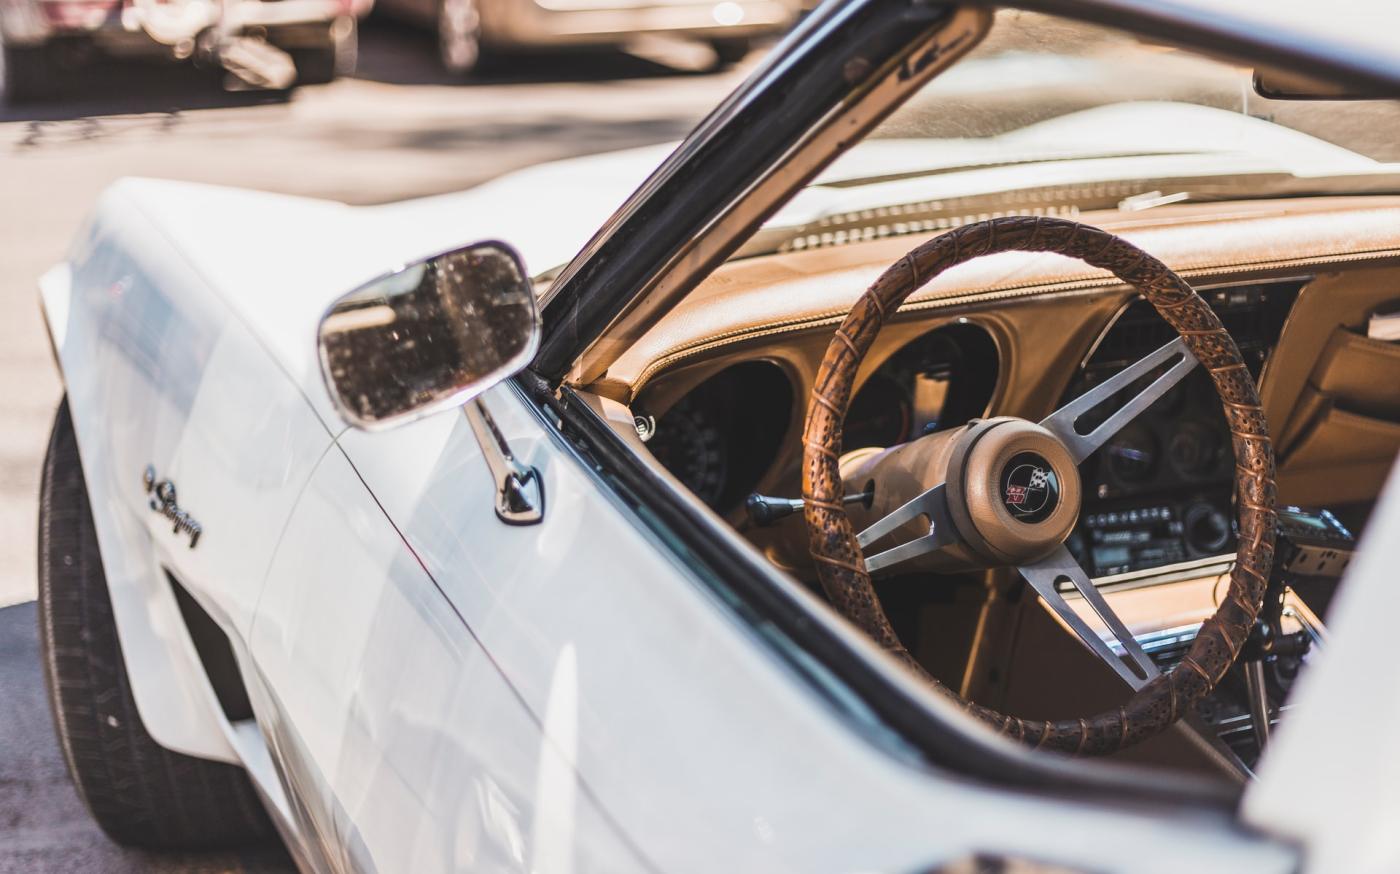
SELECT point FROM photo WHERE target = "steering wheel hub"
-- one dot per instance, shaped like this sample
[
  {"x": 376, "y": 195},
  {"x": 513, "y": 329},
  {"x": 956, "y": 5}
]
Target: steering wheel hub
[
  {"x": 1013, "y": 490},
  {"x": 1030, "y": 489}
]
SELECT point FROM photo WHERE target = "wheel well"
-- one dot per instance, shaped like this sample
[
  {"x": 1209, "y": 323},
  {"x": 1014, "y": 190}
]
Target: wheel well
[{"x": 216, "y": 655}]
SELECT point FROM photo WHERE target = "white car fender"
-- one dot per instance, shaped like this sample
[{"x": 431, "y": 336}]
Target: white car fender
[
  {"x": 174, "y": 703},
  {"x": 164, "y": 386}
]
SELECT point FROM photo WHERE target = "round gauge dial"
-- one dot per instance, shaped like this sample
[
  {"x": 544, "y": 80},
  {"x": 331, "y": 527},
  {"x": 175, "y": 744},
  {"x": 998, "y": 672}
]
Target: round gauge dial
[
  {"x": 1207, "y": 528},
  {"x": 936, "y": 381},
  {"x": 690, "y": 445},
  {"x": 1132, "y": 455},
  {"x": 1193, "y": 449},
  {"x": 879, "y": 415}
]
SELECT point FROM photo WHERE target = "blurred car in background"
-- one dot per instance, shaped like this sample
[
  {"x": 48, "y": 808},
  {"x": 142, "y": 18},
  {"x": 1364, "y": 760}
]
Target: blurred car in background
[
  {"x": 470, "y": 31},
  {"x": 262, "y": 44}
]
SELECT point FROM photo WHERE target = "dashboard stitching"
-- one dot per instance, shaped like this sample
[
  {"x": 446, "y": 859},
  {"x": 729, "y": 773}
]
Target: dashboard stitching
[{"x": 1094, "y": 283}]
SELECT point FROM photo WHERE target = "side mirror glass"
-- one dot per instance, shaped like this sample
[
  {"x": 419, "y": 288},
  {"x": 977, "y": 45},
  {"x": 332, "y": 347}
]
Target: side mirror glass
[{"x": 429, "y": 336}]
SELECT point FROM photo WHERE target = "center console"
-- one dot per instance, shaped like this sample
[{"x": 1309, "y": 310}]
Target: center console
[
  {"x": 1164, "y": 606},
  {"x": 1123, "y": 536},
  {"x": 1159, "y": 492}
]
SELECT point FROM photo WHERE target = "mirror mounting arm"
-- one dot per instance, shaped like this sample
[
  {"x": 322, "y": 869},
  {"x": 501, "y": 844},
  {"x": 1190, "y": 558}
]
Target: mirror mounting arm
[{"x": 519, "y": 488}]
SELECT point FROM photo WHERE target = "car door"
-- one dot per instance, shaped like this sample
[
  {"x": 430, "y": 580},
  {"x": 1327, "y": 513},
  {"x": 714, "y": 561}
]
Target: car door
[
  {"x": 403, "y": 746},
  {"x": 458, "y": 693},
  {"x": 1332, "y": 749}
]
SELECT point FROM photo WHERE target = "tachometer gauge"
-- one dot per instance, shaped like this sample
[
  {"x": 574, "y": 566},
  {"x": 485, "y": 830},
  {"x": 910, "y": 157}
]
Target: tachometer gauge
[
  {"x": 934, "y": 382},
  {"x": 1132, "y": 455},
  {"x": 689, "y": 444},
  {"x": 879, "y": 415},
  {"x": 1193, "y": 449}
]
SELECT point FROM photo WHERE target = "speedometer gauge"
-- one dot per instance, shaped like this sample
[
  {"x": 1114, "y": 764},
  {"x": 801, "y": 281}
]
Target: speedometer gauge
[
  {"x": 879, "y": 415},
  {"x": 1132, "y": 455},
  {"x": 936, "y": 381},
  {"x": 689, "y": 444}
]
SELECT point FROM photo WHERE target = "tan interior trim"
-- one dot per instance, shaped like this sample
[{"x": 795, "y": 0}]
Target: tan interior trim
[{"x": 791, "y": 292}]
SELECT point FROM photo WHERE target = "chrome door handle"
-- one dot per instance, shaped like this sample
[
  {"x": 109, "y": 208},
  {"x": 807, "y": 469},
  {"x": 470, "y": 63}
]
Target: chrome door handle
[{"x": 519, "y": 488}]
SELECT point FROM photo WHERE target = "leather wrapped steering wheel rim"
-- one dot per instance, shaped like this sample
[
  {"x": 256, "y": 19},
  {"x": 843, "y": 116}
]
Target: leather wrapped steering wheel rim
[{"x": 841, "y": 562}]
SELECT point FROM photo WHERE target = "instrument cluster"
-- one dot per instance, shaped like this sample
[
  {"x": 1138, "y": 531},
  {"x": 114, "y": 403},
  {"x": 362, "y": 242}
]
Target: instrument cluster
[
  {"x": 937, "y": 381},
  {"x": 723, "y": 435}
]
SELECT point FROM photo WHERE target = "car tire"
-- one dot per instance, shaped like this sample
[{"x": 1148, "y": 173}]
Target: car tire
[
  {"x": 140, "y": 793},
  {"x": 731, "y": 50},
  {"x": 28, "y": 74},
  {"x": 460, "y": 48}
]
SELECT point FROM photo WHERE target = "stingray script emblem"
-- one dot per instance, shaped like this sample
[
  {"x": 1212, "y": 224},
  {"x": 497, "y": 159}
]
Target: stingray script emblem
[{"x": 162, "y": 492}]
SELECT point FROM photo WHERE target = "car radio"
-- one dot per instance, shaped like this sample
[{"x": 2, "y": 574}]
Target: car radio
[{"x": 1136, "y": 536}]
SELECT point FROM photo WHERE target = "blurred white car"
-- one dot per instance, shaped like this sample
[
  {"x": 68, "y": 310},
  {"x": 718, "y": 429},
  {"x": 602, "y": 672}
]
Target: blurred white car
[
  {"x": 469, "y": 30},
  {"x": 264, "y": 44}
]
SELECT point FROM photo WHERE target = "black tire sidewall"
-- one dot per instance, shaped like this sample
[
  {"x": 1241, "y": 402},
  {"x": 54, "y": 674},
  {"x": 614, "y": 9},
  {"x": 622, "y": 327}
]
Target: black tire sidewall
[{"x": 139, "y": 793}]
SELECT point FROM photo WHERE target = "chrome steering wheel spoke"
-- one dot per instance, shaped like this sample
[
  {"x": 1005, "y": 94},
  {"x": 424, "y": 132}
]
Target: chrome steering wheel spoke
[
  {"x": 942, "y": 532},
  {"x": 1060, "y": 565},
  {"x": 1062, "y": 422}
]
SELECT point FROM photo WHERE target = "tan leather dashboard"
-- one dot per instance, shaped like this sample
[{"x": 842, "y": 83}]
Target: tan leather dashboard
[{"x": 1045, "y": 312}]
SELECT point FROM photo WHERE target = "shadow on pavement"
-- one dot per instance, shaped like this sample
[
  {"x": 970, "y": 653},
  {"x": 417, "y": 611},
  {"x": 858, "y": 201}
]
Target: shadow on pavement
[
  {"x": 601, "y": 135},
  {"x": 44, "y": 828},
  {"x": 138, "y": 88},
  {"x": 390, "y": 52},
  {"x": 397, "y": 53}
]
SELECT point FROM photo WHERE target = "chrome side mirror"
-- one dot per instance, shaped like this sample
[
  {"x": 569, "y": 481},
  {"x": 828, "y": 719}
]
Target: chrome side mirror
[{"x": 431, "y": 335}]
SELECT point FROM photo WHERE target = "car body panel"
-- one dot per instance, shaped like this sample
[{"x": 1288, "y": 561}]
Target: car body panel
[
  {"x": 181, "y": 351},
  {"x": 1344, "y": 705},
  {"x": 695, "y": 740},
  {"x": 277, "y": 262},
  {"x": 413, "y": 752},
  {"x": 158, "y": 375}
]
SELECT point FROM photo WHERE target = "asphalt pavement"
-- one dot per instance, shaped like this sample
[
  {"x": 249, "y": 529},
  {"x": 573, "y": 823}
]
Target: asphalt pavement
[
  {"x": 44, "y": 828},
  {"x": 398, "y": 129}
]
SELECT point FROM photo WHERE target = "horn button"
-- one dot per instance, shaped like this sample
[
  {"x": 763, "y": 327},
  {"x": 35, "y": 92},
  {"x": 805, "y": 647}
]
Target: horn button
[
  {"x": 1030, "y": 488},
  {"x": 1013, "y": 490}
]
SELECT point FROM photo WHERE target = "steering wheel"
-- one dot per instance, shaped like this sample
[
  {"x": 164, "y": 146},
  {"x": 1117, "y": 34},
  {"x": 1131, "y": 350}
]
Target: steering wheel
[{"x": 1006, "y": 492}]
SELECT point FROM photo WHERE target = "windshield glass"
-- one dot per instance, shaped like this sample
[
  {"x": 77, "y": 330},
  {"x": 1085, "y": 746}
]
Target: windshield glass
[{"x": 1059, "y": 118}]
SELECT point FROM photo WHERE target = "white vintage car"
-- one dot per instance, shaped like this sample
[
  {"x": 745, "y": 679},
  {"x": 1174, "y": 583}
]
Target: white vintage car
[{"x": 817, "y": 515}]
